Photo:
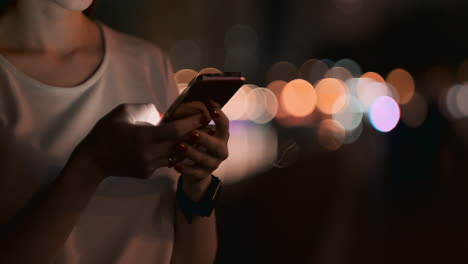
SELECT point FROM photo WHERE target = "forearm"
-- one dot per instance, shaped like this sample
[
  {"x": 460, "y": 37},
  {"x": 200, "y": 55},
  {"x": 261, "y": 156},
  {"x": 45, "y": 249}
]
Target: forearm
[
  {"x": 197, "y": 242},
  {"x": 38, "y": 232}
]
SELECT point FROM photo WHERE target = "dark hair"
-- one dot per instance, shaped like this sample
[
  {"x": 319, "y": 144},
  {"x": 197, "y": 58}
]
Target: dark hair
[{"x": 6, "y": 4}]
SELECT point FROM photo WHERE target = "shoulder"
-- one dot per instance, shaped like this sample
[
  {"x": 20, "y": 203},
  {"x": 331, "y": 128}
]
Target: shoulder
[{"x": 133, "y": 48}]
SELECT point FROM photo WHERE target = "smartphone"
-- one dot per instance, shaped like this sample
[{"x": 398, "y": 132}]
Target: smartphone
[{"x": 217, "y": 87}]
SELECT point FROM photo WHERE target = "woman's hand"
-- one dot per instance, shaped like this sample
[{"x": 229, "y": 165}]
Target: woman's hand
[
  {"x": 120, "y": 146},
  {"x": 197, "y": 177}
]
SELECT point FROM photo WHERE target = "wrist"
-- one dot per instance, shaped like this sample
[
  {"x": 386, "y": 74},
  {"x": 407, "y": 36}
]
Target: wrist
[{"x": 195, "y": 190}]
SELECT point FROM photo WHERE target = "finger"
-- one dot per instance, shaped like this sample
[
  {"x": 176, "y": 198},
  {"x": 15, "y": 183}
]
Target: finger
[
  {"x": 192, "y": 108},
  {"x": 213, "y": 104},
  {"x": 192, "y": 173},
  {"x": 217, "y": 147},
  {"x": 200, "y": 158},
  {"x": 221, "y": 124},
  {"x": 172, "y": 130},
  {"x": 157, "y": 150}
]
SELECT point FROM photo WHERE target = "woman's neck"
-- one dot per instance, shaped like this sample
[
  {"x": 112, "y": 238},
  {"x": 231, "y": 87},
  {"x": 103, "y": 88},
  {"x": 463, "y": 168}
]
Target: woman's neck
[{"x": 44, "y": 27}]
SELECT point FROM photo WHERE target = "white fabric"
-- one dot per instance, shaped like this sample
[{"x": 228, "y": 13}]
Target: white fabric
[{"x": 127, "y": 220}]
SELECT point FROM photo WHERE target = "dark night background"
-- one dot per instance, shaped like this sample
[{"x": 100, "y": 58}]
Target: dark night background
[{"x": 388, "y": 198}]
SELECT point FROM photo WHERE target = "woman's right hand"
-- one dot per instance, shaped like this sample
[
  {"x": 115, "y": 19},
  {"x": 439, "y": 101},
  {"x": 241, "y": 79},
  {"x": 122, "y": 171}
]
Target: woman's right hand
[{"x": 118, "y": 145}]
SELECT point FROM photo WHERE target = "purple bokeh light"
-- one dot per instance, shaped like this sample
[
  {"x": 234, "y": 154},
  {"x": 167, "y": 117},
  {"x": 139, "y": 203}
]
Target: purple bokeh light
[{"x": 384, "y": 114}]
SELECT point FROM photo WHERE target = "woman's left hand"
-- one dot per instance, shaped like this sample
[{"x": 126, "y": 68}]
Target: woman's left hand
[{"x": 197, "y": 177}]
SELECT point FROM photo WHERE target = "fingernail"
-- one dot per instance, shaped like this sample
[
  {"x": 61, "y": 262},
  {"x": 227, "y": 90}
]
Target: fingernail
[
  {"x": 178, "y": 167},
  {"x": 211, "y": 132},
  {"x": 181, "y": 147},
  {"x": 194, "y": 135},
  {"x": 216, "y": 113}
]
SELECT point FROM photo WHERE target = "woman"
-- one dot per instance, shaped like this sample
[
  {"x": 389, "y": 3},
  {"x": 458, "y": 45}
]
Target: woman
[{"x": 76, "y": 98}]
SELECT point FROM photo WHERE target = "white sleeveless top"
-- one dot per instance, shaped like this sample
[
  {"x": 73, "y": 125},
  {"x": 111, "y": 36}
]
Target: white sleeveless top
[{"x": 127, "y": 220}]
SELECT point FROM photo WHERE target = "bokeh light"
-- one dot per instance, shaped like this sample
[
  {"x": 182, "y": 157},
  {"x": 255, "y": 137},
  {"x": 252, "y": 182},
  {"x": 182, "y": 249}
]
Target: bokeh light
[
  {"x": 331, "y": 134},
  {"x": 236, "y": 107},
  {"x": 403, "y": 82},
  {"x": 339, "y": 73},
  {"x": 277, "y": 88},
  {"x": 313, "y": 71},
  {"x": 352, "y": 66},
  {"x": 285, "y": 71},
  {"x": 371, "y": 86},
  {"x": 262, "y": 105},
  {"x": 252, "y": 149},
  {"x": 185, "y": 76},
  {"x": 185, "y": 54},
  {"x": 181, "y": 87},
  {"x": 351, "y": 116},
  {"x": 299, "y": 98},
  {"x": 461, "y": 100},
  {"x": 414, "y": 113},
  {"x": 331, "y": 96},
  {"x": 210, "y": 70},
  {"x": 451, "y": 101},
  {"x": 241, "y": 44},
  {"x": 384, "y": 114},
  {"x": 241, "y": 40}
]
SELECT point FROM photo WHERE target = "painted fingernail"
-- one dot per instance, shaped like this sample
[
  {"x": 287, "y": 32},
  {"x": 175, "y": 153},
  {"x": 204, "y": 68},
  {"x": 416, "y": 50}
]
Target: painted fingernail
[
  {"x": 194, "y": 135},
  {"x": 216, "y": 113},
  {"x": 181, "y": 147},
  {"x": 211, "y": 132},
  {"x": 178, "y": 167}
]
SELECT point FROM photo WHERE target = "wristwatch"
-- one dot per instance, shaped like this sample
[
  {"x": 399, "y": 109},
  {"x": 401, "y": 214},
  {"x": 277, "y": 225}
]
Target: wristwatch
[{"x": 206, "y": 204}]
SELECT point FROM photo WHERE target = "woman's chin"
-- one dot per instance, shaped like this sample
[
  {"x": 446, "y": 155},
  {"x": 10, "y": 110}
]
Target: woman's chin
[{"x": 75, "y": 5}]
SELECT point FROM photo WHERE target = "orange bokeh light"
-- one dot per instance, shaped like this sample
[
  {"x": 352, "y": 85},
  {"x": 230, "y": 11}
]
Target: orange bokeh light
[
  {"x": 371, "y": 86},
  {"x": 184, "y": 76},
  {"x": 331, "y": 96},
  {"x": 403, "y": 82},
  {"x": 277, "y": 88},
  {"x": 298, "y": 98}
]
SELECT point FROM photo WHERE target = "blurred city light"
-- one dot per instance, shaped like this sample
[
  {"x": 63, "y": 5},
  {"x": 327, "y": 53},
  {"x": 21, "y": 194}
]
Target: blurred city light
[
  {"x": 313, "y": 71},
  {"x": 236, "y": 107},
  {"x": 277, "y": 88},
  {"x": 384, "y": 114},
  {"x": 262, "y": 105},
  {"x": 285, "y": 71},
  {"x": 351, "y": 116},
  {"x": 210, "y": 70},
  {"x": 185, "y": 76},
  {"x": 451, "y": 101},
  {"x": 352, "y": 66},
  {"x": 298, "y": 98},
  {"x": 331, "y": 96},
  {"x": 371, "y": 86},
  {"x": 403, "y": 82},
  {"x": 339, "y": 73},
  {"x": 241, "y": 44},
  {"x": 461, "y": 100},
  {"x": 252, "y": 148}
]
